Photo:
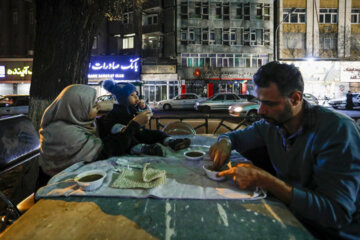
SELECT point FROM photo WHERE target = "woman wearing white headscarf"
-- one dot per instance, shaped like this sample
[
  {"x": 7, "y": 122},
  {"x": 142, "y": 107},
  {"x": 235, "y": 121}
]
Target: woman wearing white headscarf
[{"x": 68, "y": 133}]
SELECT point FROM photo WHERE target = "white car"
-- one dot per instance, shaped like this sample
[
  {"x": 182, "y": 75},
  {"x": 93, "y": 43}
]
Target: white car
[
  {"x": 243, "y": 109},
  {"x": 220, "y": 101},
  {"x": 182, "y": 101},
  {"x": 310, "y": 98},
  {"x": 106, "y": 102},
  {"x": 341, "y": 102}
]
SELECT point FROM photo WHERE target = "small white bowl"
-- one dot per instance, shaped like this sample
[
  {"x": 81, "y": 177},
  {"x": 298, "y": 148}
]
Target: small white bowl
[
  {"x": 212, "y": 174},
  {"x": 194, "y": 155},
  {"x": 90, "y": 180}
]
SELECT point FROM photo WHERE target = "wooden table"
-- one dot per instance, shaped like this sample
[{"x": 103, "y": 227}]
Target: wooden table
[{"x": 133, "y": 218}]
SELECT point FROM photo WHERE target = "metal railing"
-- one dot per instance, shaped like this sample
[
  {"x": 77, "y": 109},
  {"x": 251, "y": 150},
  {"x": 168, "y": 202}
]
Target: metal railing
[{"x": 222, "y": 121}]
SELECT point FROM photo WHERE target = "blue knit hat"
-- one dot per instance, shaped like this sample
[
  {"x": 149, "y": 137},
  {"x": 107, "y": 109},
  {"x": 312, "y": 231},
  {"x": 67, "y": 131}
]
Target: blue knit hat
[{"x": 121, "y": 92}]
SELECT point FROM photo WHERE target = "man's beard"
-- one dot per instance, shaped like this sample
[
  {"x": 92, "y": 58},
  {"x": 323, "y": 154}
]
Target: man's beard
[{"x": 284, "y": 117}]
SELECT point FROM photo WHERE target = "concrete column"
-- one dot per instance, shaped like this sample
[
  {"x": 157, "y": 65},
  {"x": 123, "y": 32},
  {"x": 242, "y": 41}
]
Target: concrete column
[
  {"x": 312, "y": 28},
  {"x": 344, "y": 28}
]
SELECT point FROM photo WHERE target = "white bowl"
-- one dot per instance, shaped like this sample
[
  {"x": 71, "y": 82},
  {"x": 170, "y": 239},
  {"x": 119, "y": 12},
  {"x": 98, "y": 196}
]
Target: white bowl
[
  {"x": 212, "y": 174},
  {"x": 194, "y": 155},
  {"x": 90, "y": 180}
]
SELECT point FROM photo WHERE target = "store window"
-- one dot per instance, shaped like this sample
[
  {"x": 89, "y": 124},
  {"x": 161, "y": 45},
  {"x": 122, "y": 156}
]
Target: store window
[
  {"x": 95, "y": 43},
  {"x": 15, "y": 17},
  {"x": 328, "y": 15},
  {"x": 205, "y": 10},
  {"x": 151, "y": 19},
  {"x": 238, "y": 11},
  {"x": 246, "y": 11},
  {"x": 218, "y": 10},
  {"x": 355, "y": 16},
  {"x": 128, "y": 18},
  {"x": 263, "y": 11},
  {"x": 298, "y": 16},
  {"x": 184, "y": 10},
  {"x": 128, "y": 41}
]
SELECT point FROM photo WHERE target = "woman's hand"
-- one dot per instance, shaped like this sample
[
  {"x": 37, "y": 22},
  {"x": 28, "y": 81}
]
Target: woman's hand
[{"x": 143, "y": 117}]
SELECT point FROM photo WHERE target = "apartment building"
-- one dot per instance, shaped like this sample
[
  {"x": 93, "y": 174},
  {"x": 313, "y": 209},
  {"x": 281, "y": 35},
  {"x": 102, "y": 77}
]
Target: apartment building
[
  {"x": 148, "y": 33},
  {"x": 321, "y": 37},
  {"x": 221, "y": 44},
  {"x": 17, "y": 36}
]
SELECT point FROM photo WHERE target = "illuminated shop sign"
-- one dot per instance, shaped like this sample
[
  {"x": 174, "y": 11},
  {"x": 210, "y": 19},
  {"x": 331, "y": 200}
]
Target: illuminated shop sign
[
  {"x": 115, "y": 67},
  {"x": 2, "y": 71},
  {"x": 22, "y": 72}
]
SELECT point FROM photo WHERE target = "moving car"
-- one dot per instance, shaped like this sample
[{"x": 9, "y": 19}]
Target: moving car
[
  {"x": 341, "y": 102},
  {"x": 220, "y": 101},
  {"x": 14, "y": 104},
  {"x": 182, "y": 101},
  {"x": 243, "y": 109},
  {"x": 310, "y": 98},
  {"x": 106, "y": 102}
]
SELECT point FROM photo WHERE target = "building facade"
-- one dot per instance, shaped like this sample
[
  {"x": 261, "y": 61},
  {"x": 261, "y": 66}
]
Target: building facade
[
  {"x": 149, "y": 33},
  {"x": 17, "y": 36},
  {"x": 322, "y": 38},
  {"x": 221, "y": 44}
]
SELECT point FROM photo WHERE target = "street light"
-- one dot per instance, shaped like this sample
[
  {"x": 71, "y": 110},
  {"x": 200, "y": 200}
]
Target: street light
[{"x": 276, "y": 32}]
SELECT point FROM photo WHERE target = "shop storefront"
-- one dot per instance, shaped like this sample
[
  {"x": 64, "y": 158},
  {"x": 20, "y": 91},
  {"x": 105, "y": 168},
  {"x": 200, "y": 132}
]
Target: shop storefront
[
  {"x": 160, "y": 82},
  {"x": 331, "y": 79},
  {"x": 15, "y": 75},
  {"x": 207, "y": 83},
  {"x": 122, "y": 69}
]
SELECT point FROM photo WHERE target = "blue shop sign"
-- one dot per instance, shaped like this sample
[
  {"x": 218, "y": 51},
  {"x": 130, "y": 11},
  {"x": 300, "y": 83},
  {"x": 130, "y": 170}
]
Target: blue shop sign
[{"x": 115, "y": 67}]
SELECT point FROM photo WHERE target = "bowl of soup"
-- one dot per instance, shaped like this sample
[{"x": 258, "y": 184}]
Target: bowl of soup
[
  {"x": 194, "y": 155},
  {"x": 90, "y": 180},
  {"x": 211, "y": 173}
]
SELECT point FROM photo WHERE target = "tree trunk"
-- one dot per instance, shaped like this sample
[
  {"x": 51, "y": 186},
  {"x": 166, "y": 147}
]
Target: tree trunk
[{"x": 65, "y": 32}]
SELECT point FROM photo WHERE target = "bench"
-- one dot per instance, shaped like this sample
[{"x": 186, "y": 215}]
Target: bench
[{"x": 19, "y": 143}]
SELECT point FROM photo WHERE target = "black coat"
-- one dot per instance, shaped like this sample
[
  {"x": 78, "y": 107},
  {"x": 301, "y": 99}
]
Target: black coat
[{"x": 123, "y": 115}]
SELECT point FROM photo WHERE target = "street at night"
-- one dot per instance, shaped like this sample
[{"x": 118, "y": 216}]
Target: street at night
[{"x": 180, "y": 119}]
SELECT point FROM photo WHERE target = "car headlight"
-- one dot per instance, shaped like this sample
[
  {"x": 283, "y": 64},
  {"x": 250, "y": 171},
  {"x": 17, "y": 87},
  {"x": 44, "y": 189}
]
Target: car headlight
[
  {"x": 238, "y": 109},
  {"x": 197, "y": 104}
]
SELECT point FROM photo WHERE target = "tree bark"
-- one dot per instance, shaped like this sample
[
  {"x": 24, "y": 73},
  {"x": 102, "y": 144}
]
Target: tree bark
[{"x": 65, "y": 32}]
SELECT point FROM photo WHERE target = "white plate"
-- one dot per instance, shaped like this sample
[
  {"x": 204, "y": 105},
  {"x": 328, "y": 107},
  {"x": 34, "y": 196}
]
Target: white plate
[
  {"x": 194, "y": 155},
  {"x": 90, "y": 185},
  {"x": 212, "y": 174}
]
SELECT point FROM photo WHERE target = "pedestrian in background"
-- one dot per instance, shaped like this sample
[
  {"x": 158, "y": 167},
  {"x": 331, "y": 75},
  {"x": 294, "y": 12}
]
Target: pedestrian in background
[{"x": 349, "y": 101}]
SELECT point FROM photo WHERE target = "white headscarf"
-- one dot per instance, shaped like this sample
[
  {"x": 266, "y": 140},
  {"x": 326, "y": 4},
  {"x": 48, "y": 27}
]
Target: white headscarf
[{"x": 65, "y": 134}]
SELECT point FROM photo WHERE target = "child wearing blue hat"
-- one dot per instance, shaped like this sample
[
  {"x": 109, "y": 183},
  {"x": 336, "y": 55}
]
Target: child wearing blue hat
[{"x": 129, "y": 105}]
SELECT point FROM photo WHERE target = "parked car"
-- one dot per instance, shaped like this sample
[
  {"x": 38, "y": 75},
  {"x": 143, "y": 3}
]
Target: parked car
[
  {"x": 341, "y": 102},
  {"x": 310, "y": 98},
  {"x": 245, "y": 108},
  {"x": 248, "y": 97},
  {"x": 14, "y": 104},
  {"x": 182, "y": 101},
  {"x": 220, "y": 101},
  {"x": 106, "y": 102}
]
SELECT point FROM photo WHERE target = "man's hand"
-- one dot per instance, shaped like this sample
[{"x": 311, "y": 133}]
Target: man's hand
[
  {"x": 143, "y": 117},
  {"x": 142, "y": 104},
  {"x": 220, "y": 153},
  {"x": 247, "y": 175}
]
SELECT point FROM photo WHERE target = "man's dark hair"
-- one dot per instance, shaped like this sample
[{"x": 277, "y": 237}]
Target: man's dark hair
[{"x": 287, "y": 77}]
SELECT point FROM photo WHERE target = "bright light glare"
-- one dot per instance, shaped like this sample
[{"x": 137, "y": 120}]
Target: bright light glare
[{"x": 238, "y": 109}]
